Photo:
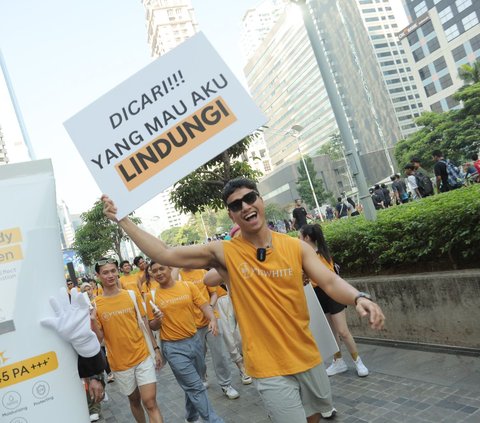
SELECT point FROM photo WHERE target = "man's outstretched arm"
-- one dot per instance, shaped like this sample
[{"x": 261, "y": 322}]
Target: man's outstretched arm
[
  {"x": 192, "y": 256},
  {"x": 339, "y": 289}
]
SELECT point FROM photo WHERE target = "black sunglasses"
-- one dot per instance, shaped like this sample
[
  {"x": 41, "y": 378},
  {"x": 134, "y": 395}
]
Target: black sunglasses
[{"x": 249, "y": 198}]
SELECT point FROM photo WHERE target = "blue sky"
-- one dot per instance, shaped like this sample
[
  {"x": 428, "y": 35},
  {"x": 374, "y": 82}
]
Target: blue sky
[{"x": 63, "y": 55}]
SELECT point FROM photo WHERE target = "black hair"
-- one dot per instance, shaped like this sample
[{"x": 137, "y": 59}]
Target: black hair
[
  {"x": 475, "y": 156},
  {"x": 409, "y": 166},
  {"x": 383, "y": 186},
  {"x": 97, "y": 266},
  {"x": 393, "y": 177},
  {"x": 147, "y": 273},
  {"x": 415, "y": 160},
  {"x": 437, "y": 153},
  {"x": 315, "y": 233},
  {"x": 137, "y": 259},
  {"x": 377, "y": 186},
  {"x": 339, "y": 199},
  {"x": 237, "y": 183},
  {"x": 123, "y": 262}
]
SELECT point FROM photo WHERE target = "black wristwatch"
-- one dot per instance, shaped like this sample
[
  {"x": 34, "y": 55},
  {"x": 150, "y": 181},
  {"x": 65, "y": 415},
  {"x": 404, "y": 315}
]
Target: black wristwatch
[{"x": 362, "y": 295}]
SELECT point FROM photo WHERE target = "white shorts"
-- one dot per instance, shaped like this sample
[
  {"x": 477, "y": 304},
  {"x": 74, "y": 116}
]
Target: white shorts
[
  {"x": 139, "y": 375},
  {"x": 293, "y": 398}
]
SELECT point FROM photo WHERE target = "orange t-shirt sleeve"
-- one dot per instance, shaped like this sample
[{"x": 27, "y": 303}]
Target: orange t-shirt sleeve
[
  {"x": 140, "y": 305},
  {"x": 198, "y": 298}
]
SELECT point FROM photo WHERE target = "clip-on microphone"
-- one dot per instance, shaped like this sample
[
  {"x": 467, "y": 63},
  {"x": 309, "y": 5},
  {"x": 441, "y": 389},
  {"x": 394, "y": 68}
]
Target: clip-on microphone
[{"x": 261, "y": 254}]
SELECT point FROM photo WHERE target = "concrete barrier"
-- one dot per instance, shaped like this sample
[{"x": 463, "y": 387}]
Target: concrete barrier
[{"x": 431, "y": 308}]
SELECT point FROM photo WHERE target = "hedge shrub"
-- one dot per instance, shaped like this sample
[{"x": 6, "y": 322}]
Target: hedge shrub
[{"x": 435, "y": 233}]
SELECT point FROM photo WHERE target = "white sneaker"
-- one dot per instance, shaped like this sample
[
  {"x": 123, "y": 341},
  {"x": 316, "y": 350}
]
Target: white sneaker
[
  {"x": 205, "y": 384},
  {"x": 230, "y": 392},
  {"x": 110, "y": 378},
  {"x": 105, "y": 396},
  {"x": 362, "y": 371},
  {"x": 94, "y": 417},
  {"x": 329, "y": 414},
  {"x": 246, "y": 380},
  {"x": 337, "y": 366}
]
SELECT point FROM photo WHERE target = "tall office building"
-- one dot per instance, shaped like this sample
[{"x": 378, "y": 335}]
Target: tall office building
[
  {"x": 286, "y": 84},
  {"x": 169, "y": 23},
  {"x": 443, "y": 35},
  {"x": 257, "y": 23},
  {"x": 382, "y": 28}
]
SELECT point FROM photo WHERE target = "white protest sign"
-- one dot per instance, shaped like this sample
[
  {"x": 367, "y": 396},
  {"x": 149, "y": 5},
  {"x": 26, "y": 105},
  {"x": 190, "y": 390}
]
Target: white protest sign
[
  {"x": 163, "y": 123},
  {"x": 319, "y": 326},
  {"x": 38, "y": 371}
]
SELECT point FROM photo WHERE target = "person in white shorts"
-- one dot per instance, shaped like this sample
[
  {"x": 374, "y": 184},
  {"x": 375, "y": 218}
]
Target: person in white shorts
[{"x": 115, "y": 320}]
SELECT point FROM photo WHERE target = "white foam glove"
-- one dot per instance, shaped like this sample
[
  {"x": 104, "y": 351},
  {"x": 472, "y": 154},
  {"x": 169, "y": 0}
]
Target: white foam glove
[{"x": 72, "y": 322}]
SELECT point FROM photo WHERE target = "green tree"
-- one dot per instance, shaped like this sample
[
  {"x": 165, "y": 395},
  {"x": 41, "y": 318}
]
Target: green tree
[
  {"x": 203, "y": 187},
  {"x": 456, "y": 132},
  {"x": 332, "y": 148},
  {"x": 274, "y": 212},
  {"x": 303, "y": 186},
  {"x": 170, "y": 236},
  {"x": 98, "y": 235},
  {"x": 470, "y": 73}
]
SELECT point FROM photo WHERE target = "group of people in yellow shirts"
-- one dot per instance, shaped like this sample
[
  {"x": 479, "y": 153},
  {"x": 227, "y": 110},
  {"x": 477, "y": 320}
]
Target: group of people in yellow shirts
[
  {"x": 263, "y": 271},
  {"x": 183, "y": 310}
]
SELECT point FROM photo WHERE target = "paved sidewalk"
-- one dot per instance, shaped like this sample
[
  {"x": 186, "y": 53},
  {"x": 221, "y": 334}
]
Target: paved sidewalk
[{"x": 403, "y": 386}]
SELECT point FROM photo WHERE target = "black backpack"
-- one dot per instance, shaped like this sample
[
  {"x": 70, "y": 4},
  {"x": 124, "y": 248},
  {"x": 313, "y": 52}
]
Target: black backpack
[{"x": 424, "y": 184}]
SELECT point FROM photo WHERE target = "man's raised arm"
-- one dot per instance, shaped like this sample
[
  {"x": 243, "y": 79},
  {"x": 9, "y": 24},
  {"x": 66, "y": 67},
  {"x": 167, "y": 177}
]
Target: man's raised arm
[{"x": 194, "y": 256}]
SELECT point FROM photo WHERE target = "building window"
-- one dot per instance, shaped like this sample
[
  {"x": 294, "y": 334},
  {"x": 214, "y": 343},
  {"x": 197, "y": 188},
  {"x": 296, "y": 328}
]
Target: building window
[
  {"x": 451, "y": 102},
  {"x": 418, "y": 54},
  {"x": 424, "y": 73},
  {"x": 427, "y": 28},
  {"x": 459, "y": 53},
  {"x": 433, "y": 45},
  {"x": 440, "y": 64},
  {"x": 420, "y": 8},
  {"x": 445, "y": 15},
  {"x": 372, "y": 19},
  {"x": 430, "y": 89},
  {"x": 412, "y": 38},
  {"x": 452, "y": 32},
  {"x": 463, "y": 4},
  {"x": 446, "y": 81},
  {"x": 436, "y": 107},
  {"x": 470, "y": 20},
  {"x": 475, "y": 42}
]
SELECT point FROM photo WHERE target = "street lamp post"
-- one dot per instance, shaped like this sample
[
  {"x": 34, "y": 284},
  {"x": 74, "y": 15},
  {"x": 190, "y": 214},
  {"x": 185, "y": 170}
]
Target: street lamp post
[{"x": 295, "y": 132}]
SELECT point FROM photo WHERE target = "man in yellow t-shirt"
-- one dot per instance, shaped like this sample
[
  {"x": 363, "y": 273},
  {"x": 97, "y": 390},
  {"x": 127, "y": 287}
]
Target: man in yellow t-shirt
[
  {"x": 114, "y": 320},
  {"x": 263, "y": 272},
  {"x": 128, "y": 280},
  {"x": 215, "y": 343},
  {"x": 175, "y": 302},
  {"x": 140, "y": 262}
]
